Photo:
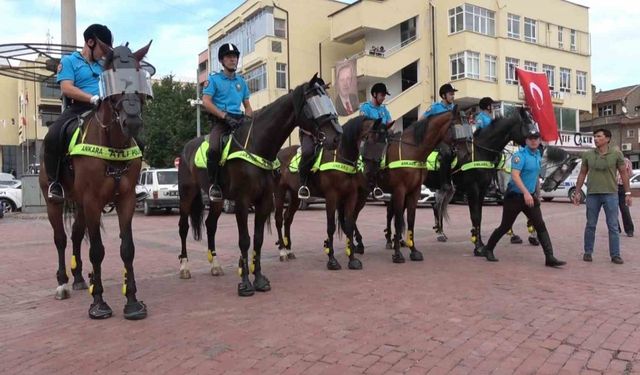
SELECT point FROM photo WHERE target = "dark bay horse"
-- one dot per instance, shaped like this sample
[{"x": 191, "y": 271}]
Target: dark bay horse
[
  {"x": 337, "y": 180},
  {"x": 104, "y": 168},
  {"x": 405, "y": 170},
  {"x": 474, "y": 173},
  {"x": 307, "y": 106}
]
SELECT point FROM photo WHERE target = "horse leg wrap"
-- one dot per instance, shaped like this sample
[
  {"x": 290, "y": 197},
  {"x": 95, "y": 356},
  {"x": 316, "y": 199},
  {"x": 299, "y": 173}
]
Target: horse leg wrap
[{"x": 409, "y": 240}]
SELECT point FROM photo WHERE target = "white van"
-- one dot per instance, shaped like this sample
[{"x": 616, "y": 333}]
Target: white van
[{"x": 161, "y": 187}]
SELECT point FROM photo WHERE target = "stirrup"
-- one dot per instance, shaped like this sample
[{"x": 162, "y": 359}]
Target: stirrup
[
  {"x": 215, "y": 195},
  {"x": 55, "y": 196},
  {"x": 378, "y": 193},
  {"x": 303, "y": 192}
]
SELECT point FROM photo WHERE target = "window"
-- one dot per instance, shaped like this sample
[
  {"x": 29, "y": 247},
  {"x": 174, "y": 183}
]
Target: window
[
  {"x": 465, "y": 65},
  {"x": 566, "y": 118},
  {"x": 276, "y": 46},
  {"x": 490, "y": 64},
  {"x": 606, "y": 110},
  {"x": 581, "y": 82},
  {"x": 49, "y": 89},
  {"x": 281, "y": 76},
  {"x": 560, "y": 37},
  {"x": 472, "y": 18},
  {"x": 565, "y": 80},
  {"x": 513, "y": 26},
  {"x": 630, "y": 133},
  {"x": 408, "y": 31},
  {"x": 257, "y": 78},
  {"x": 550, "y": 71},
  {"x": 530, "y": 26},
  {"x": 48, "y": 118},
  {"x": 510, "y": 65},
  {"x": 280, "y": 27},
  {"x": 572, "y": 40},
  {"x": 531, "y": 66}
]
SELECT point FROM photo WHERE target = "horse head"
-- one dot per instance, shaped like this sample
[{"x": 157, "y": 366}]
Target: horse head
[
  {"x": 319, "y": 118},
  {"x": 526, "y": 126},
  {"x": 124, "y": 88}
]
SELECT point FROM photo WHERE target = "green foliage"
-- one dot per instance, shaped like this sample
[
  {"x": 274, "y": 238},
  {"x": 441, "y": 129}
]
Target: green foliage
[{"x": 169, "y": 121}]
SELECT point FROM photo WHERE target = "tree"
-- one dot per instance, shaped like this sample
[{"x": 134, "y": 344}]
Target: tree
[{"x": 169, "y": 121}]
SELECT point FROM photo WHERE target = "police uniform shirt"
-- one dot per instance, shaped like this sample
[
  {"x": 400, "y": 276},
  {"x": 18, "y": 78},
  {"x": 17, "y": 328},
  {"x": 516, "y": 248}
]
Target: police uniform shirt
[
  {"x": 482, "y": 120},
  {"x": 375, "y": 112},
  {"x": 227, "y": 93},
  {"x": 528, "y": 163},
  {"x": 83, "y": 74},
  {"x": 438, "y": 107}
]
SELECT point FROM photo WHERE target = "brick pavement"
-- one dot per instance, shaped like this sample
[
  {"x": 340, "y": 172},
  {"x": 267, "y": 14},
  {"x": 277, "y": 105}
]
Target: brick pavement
[{"x": 452, "y": 313}]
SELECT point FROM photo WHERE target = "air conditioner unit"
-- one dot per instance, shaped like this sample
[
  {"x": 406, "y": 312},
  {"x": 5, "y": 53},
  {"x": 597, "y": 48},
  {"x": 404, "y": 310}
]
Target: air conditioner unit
[{"x": 626, "y": 147}]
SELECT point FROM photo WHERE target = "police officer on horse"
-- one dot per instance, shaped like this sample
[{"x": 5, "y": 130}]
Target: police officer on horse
[
  {"x": 78, "y": 76},
  {"x": 483, "y": 118},
  {"x": 223, "y": 94}
]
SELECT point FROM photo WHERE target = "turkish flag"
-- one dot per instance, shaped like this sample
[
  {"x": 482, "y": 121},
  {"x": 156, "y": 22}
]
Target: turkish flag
[{"x": 538, "y": 97}]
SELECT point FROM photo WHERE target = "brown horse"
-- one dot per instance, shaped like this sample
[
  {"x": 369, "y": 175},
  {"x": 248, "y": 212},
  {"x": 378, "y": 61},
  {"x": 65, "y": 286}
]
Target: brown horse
[
  {"x": 405, "y": 170},
  {"x": 245, "y": 182},
  {"x": 104, "y": 169},
  {"x": 337, "y": 180}
]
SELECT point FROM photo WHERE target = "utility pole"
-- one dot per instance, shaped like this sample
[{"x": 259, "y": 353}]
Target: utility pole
[{"x": 68, "y": 22}]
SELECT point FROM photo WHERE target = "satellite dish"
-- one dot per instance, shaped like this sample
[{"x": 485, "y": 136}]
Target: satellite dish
[{"x": 624, "y": 109}]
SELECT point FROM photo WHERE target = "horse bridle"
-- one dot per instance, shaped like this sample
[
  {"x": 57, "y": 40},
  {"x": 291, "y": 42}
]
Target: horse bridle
[{"x": 325, "y": 113}]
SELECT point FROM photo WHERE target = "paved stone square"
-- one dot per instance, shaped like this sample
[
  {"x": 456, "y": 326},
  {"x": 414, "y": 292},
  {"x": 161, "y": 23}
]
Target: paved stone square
[{"x": 452, "y": 313}]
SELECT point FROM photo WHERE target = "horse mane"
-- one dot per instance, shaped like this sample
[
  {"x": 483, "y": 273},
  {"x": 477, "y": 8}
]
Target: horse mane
[
  {"x": 352, "y": 129},
  {"x": 420, "y": 127},
  {"x": 497, "y": 125}
]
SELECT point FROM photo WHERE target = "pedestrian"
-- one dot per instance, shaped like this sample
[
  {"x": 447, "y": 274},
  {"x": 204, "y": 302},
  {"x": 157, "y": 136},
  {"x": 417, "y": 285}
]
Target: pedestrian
[
  {"x": 627, "y": 222},
  {"x": 600, "y": 164}
]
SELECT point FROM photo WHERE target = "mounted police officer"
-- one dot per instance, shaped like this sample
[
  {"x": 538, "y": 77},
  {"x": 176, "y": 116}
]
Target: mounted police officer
[
  {"x": 483, "y": 118},
  {"x": 521, "y": 196},
  {"x": 447, "y": 94},
  {"x": 374, "y": 108},
  {"x": 78, "y": 76},
  {"x": 223, "y": 94}
]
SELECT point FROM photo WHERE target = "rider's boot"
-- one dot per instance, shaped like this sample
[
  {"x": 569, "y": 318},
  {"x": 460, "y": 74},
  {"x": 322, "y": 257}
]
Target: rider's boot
[
  {"x": 213, "y": 160},
  {"x": 55, "y": 192}
]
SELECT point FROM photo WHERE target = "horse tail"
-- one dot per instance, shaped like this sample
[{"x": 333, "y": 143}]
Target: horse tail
[
  {"x": 443, "y": 197},
  {"x": 69, "y": 214},
  {"x": 196, "y": 215}
]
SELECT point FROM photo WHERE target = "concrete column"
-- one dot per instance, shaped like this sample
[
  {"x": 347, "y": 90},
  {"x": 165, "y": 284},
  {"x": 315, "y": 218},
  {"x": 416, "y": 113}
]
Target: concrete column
[{"x": 68, "y": 22}]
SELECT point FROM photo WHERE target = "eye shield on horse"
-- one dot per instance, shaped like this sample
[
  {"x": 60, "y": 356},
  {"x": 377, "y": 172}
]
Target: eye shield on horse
[
  {"x": 320, "y": 107},
  {"x": 125, "y": 81}
]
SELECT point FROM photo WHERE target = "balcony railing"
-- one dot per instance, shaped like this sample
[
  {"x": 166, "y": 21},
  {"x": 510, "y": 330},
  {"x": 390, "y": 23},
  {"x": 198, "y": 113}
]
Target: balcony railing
[{"x": 385, "y": 52}]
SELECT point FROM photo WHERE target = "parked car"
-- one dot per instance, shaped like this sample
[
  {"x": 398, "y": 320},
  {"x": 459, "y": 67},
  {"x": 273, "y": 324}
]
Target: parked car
[
  {"x": 161, "y": 187},
  {"x": 567, "y": 189},
  {"x": 11, "y": 197},
  {"x": 634, "y": 181},
  {"x": 427, "y": 197}
]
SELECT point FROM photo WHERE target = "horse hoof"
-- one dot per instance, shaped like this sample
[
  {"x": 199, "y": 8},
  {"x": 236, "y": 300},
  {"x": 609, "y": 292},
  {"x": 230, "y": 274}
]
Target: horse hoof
[
  {"x": 185, "y": 274},
  {"x": 62, "y": 292},
  {"x": 291, "y": 256},
  {"x": 478, "y": 252},
  {"x": 389, "y": 246},
  {"x": 217, "y": 271},
  {"x": 135, "y": 310},
  {"x": 283, "y": 258},
  {"x": 442, "y": 238},
  {"x": 261, "y": 284},
  {"x": 515, "y": 239},
  {"x": 355, "y": 264},
  {"x": 245, "y": 289},
  {"x": 359, "y": 249},
  {"x": 100, "y": 310},
  {"x": 534, "y": 241},
  {"x": 397, "y": 257},
  {"x": 79, "y": 285},
  {"x": 416, "y": 256},
  {"x": 333, "y": 265}
]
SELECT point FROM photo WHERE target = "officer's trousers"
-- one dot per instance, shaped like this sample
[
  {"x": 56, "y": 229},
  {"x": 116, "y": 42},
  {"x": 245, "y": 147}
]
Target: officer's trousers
[{"x": 512, "y": 206}]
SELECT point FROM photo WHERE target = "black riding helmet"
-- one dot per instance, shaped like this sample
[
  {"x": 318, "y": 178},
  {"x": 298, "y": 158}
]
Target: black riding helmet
[
  {"x": 228, "y": 49},
  {"x": 97, "y": 31},
  {"x": 379, "y": 87},
  {"x": 485, "y": 103},
  {"x": 447, "y": 87}
]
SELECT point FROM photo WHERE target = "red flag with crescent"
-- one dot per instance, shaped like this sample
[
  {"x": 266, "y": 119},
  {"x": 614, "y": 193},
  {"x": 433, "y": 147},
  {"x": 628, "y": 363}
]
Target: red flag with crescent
[{"x": 538, "y": 97}]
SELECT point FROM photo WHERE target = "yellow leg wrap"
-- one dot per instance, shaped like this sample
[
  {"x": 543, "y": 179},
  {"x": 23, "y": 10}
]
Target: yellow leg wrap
[
  {"x": 286, "y": 241},
  {"x": 474, "y": 239},
  {"x": 210, "y": 256},
  {"x": 510, "y": 232},
  {"x": 531, "y": 229},
  {"x": 124, "y": 283},
  {"x": 240, "y": 271},
  {"x": 74, "y": 263},
  {"x": 326, "y": 250},
  {"x": 252, "y": 265},
  {"x": 409, "y": 240},
  {"x": 91, "y": 289},
  {"x": 347, "y": 250}
]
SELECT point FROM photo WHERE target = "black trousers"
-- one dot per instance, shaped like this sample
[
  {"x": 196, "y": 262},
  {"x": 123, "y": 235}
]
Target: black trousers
[
  {"x": 627, "y": 222},
  {"x": 307, "y": 148},
  {"x": 512, "y": 206}
]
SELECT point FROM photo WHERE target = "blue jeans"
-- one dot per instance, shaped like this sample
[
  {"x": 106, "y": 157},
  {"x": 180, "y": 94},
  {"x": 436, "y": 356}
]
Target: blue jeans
[{"x": 610, "y": 204}]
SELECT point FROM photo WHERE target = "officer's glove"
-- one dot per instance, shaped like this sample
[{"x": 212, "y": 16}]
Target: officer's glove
[
  {"x": 95, "y": 100},
  {"x": 233, "y": 122}
]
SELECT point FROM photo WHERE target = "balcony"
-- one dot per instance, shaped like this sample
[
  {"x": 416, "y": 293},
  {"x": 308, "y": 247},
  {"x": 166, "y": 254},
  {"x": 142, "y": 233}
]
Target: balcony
[
  {"x": 265, "y": 48},
  {"x": 351, "y": 23},
  {"x": 383, "y": 65}
]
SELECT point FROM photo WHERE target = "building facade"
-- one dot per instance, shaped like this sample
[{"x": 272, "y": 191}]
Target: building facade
[
  {"x": 475, "y": 45},
  {"x": 619, "y": 111}
]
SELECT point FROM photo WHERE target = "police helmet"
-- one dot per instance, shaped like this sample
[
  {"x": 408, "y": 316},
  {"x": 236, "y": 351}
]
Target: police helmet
[
  {"x": 447, "y": 87},
  {"x": 485, "y": 103},
  {"x": 228, "y": 49},
  {"x": 534, "y": 133},
  {"x": 379, "y": 87},
  {"x": 97, "y": 31}
]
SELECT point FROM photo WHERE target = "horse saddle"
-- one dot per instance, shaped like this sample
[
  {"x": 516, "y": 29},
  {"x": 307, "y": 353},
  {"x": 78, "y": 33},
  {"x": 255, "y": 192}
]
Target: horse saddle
[{"x": 70, "y": 127}]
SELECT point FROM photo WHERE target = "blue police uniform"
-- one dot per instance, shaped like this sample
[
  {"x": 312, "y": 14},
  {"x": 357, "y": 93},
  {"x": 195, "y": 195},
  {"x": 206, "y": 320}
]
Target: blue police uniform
[
  {"x": 227, "y": 93},
  {"x": 483, "y": 120},
  {"x": 438, "y": 107},
  {"x": 83, "y": 74},
  {"x": 375, "y": 112},
  {"x": 528, "y": 163}
]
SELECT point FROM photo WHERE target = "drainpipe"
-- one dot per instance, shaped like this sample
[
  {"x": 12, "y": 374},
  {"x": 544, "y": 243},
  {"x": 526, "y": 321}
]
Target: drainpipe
[
  {"x": 433, "y": 47},
  {"x": 288, "y": 49}
]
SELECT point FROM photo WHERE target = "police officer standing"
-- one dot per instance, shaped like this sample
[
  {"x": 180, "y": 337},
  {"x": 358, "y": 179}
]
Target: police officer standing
[
  {"x": 78, "y": 76},
  {"x": 521, "y": 197},
  {"x": 447, "y": 94},
  {"x": 483, "y": 118},
  {"x": 223, "y": 94}
]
